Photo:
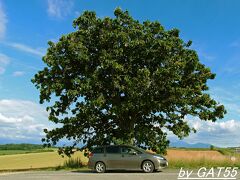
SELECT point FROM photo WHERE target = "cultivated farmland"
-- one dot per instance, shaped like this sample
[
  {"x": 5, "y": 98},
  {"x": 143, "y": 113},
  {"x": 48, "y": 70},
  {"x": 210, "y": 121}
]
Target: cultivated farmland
[
  {"x": 198, "y": 158},
  {"x": 175, "y": 154},
  {"x": 35, "y": 160}
]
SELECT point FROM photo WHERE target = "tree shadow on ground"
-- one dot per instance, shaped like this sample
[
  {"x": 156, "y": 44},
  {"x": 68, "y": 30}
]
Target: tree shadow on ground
[{"x": 111, "y": 171}]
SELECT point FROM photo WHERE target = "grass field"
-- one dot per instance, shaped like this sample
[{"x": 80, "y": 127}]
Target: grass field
[
  {"x": 198, "y": 158},
  {"x": 187, "y": 158},
  {"x": 35, "y": 160}
]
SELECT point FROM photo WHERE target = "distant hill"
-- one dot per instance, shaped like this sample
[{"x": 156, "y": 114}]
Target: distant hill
[
  {"x": 184, "y": 144},
  {"x": 20, "y": 146}
]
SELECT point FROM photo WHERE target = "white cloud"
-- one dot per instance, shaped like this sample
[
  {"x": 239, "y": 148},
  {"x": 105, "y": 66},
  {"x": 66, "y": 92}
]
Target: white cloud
[
  {"x": 5, "y": 119},
  {"x": 4, "y": 61},
  {"x": 219, "y": 133},
  {"x": 18, "y": 73},
  {"x": 59, "y": 8},
  {"x": 230, "y": 126},
  {"x": 28, "y": 49},
  {"x": 3, "y": 21},
  {"x": 2, "y": 70},
  {"x": 22, "y": 120}
]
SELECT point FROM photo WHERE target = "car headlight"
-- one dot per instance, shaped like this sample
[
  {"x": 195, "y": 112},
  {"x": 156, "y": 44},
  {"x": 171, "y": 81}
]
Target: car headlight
[{"x": 159, "y": 157}]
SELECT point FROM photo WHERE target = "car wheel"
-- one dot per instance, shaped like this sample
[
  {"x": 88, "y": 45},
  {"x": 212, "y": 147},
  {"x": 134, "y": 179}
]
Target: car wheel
[
  {"x": 148, "y": 167},
  {"x": 100, "y": 167}
]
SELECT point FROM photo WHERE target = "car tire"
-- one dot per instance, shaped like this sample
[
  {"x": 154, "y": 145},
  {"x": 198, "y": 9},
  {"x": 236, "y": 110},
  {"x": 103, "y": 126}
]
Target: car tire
[
  {"x": 148, "y": 167},
  {"x": 100, "y": 167}
]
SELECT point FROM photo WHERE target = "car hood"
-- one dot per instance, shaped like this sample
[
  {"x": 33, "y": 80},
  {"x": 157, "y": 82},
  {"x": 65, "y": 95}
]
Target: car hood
[{"x": 158, "y": 155}]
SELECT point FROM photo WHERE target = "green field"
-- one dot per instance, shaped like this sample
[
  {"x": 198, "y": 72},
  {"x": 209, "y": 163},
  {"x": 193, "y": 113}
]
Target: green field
[
  {"x": 9, "y": 149},
  {"x": 22, "y": 146},
  {"x": 10, "y": 152},
  {"x": 34, "y": 157}
]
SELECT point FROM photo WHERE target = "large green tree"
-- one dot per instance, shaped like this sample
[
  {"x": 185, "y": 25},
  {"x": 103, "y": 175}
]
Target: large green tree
[{"x": 119, "y": 80}]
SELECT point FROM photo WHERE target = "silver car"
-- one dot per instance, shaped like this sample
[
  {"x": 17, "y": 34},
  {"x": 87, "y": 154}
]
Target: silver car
[{"x": 123, "y": 157}]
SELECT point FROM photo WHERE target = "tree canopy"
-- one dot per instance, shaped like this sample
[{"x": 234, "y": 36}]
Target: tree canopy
[{"x": 118, "y": 80}]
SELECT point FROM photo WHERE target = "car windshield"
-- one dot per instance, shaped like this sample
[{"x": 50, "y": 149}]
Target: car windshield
[{"x": 139, "y": 149}]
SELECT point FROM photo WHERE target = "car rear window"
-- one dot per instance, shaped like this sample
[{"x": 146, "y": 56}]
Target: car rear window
[
  {"x": 98, "y": 150},
  {"x": 113, "y": 149}
]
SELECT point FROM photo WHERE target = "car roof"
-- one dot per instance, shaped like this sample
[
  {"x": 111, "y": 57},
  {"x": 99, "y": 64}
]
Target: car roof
[
  {"x": 120, "y": 145},
  {"x": 114, "y": 145}
]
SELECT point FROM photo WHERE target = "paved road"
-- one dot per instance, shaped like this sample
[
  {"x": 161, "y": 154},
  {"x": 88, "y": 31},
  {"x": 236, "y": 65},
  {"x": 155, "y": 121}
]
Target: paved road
[
  {"x": 68, "y": 175},
  {"x": 87, "y": 175}
]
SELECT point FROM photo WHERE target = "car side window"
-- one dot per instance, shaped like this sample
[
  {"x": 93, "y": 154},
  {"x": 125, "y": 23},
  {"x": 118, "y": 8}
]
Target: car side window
[
  {"x": 113, "y": 149},
  {"x": 129, "y": 150}
]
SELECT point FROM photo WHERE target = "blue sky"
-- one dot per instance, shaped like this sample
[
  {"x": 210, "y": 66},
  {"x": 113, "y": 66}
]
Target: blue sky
[{"x": 26, "y": 27}]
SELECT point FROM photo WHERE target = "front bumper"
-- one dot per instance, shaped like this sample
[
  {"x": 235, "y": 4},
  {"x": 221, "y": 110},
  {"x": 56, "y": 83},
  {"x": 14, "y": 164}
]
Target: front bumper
[{"x": 161, "y": 164}]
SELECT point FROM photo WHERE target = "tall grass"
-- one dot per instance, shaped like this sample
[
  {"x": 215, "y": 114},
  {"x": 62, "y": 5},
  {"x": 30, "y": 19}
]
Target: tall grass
[
  {"x": 73, "y": 163},
  {"x": 196, "y": 159}
]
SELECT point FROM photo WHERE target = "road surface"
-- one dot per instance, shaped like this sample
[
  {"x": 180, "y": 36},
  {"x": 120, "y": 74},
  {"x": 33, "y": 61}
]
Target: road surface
[{"x": 88, "y": 175}]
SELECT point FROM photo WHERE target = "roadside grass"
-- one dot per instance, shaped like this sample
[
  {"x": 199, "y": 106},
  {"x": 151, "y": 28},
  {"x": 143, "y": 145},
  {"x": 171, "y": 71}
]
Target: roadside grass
[
  {"x": 193, "y": 164},
  {"x": 228, "y": 152},
  {"x": 72, "y": 163}
]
